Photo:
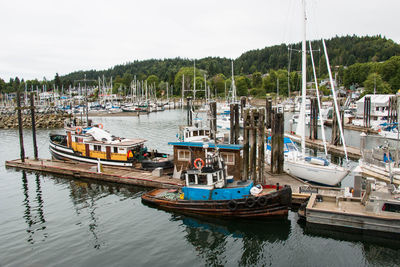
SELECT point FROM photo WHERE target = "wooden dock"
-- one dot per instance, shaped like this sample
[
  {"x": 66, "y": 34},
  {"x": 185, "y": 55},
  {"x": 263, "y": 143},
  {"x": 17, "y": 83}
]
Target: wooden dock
[
  {"x": 109, "y": 174},
  {"x": 352, "y": 152},
  {"x": 354, "y": 128},
  {"x": 301, "y": 190}
]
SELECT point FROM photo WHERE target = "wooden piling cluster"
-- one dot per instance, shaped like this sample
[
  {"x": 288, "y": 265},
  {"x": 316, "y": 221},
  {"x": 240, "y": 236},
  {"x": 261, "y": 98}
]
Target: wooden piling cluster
[
  {"x": 277, "y": 138},
  {"x": 213, "y": 119},
  {"x": 253, "y": 145},
  {"x": 392, "y": 111},
  {"x": 234, "y": 124},
  {"x": 335, "y": 139},
  {"x": 314, "y": 119},
  {"x": 19, "y": 108}
]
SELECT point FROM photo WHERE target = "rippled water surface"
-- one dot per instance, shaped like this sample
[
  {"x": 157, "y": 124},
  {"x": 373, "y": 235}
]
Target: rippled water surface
[{"x": 50, "y": 220}]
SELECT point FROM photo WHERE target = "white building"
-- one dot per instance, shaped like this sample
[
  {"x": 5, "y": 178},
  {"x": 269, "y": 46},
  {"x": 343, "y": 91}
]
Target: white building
[{"x": 379, "y": 106}]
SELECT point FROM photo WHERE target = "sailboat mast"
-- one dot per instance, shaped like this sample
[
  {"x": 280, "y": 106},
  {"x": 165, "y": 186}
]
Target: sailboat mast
[
  {"x": 303, "y": 80},
  {"x": 335, "y": 100},
  {"x": 318, "y": 100}
]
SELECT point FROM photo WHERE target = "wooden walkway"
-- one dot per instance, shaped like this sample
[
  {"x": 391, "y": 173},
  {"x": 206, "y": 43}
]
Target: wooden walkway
[
  {"x": 301, "y": 190},
  {"x": 109, "y": 174},
  {"x": 352, "y": 152}
]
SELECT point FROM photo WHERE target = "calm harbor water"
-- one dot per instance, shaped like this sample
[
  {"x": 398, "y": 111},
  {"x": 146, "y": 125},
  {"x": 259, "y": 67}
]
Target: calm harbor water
[{"x": 50, "y": 220}]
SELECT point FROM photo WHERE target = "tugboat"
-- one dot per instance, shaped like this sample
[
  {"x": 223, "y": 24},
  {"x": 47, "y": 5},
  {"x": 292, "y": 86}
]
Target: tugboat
[
  {"x": 92, "y": 144},
  {"x": 210, "y": 192}
]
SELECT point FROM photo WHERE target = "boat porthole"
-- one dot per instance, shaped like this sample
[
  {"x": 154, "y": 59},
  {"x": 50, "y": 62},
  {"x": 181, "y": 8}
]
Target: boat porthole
[{"x": 238, "y": 192}]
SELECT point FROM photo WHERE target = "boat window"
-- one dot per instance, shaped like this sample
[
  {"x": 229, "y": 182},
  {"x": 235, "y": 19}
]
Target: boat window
[
  {"x": 290, "y": 147},
  {"x": 229, "y": 158},
  {"x": 391, "y": 207},
  {"x": 202, "y": 179},
  {"x": 97, "y": 148},
  {"x": 201, "y": 132},
  {"x": 195, "y": 133},
  {"x": 215, "y": 177},
  {"x": 207, "y": 132},
  {"x": 115, "y": 149},
  {"x": 192, "y": 178},
  {"x": 183, "y": 155}
]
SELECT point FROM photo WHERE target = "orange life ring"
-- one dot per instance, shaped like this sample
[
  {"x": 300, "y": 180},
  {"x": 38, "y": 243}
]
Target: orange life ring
[
  {"x": 78, "y": 130},
  {"x": 196, "y": 161},
  {"x": 100, "y": 125}
]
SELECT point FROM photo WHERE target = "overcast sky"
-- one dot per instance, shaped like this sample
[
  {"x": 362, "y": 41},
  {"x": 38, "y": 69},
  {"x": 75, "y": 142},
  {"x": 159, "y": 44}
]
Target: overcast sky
[{"x": 42, "y": 37}]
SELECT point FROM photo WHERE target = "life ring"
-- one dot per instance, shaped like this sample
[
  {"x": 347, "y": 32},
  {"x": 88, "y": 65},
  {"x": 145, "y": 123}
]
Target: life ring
[
  {"x": 232, "y": 205},
  {"x": 78, "y": 130},
  {"x": 262, "y": 201},
  {"x": 199, "y": 167},
  {"x": 100, "y": 126},
  {"x": 250, "y": 202}
]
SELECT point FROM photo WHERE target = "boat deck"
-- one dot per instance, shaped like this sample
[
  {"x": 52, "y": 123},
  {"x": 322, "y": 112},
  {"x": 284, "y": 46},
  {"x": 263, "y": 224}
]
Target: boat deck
[{"x": 85, "y": 170}]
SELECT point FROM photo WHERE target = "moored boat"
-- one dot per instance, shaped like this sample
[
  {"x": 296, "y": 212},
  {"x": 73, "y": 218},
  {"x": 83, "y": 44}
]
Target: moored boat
[
  {"x": 93, "y": 144},
  {"x": 209, "y": 192}
]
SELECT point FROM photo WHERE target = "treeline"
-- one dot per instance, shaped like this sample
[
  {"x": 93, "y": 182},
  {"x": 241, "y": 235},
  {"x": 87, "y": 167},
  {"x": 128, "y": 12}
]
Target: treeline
[{"x": 257, "y": 72}]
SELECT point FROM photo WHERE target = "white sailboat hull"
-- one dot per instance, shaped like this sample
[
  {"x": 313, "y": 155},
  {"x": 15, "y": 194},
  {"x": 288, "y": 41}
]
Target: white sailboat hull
[{"x": 328, "y": 175}]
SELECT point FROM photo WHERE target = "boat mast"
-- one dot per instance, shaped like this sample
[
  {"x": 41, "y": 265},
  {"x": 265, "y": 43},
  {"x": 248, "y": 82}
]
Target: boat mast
[
  {"x": 194, "y": 80},
  {"x": 318, "y": 100},
  {"x": 303, "y": 80},
  {"x": 233, "y": 86},
  {"x": 335, "y": 100}
]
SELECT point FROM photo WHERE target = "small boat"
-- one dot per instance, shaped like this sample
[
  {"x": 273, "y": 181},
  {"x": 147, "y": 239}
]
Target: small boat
[
  {"x": 210, "y": 192},
  {"x": 92, "y": 144},
  {"x": 377, "y": 210}
]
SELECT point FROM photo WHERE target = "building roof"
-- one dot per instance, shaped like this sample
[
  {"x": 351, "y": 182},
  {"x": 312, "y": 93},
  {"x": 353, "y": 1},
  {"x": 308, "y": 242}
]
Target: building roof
[
  {"x": 210, "y": 145},
  {"x": 377, "y": 99}
]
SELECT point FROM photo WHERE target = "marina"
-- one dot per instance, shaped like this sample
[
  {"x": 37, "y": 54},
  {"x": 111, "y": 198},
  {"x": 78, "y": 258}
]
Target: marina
[{"x": 182, "y": 141}]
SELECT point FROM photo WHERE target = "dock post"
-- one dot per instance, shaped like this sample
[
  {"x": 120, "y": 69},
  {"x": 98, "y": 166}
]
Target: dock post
[
  {"x": 242, "y": 105},
  {"x": 260, "y": 144},
  {"x": 268, "y": 113},
  {"x": 367, "y": 111},
  {"x": 232, "y": 124},
  {"x": 246, "y": 126},
  {"x": 314, "y": 119},
  {"x": 236, "y": 124},
  {"x": 213, "y": 121},
  {"x": 21, "y": 136},
  {"x": 253, "y": 140},
  {"x": 277, "y": 156},
  {"x": 35, "y": 149},
  {"x": 189, "y": 111},
  {"x": 357, "y": 184}
]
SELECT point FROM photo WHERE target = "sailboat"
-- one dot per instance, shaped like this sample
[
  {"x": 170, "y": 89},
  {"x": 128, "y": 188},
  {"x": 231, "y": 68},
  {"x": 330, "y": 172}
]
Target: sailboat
[{"x": 317, "y": 170}]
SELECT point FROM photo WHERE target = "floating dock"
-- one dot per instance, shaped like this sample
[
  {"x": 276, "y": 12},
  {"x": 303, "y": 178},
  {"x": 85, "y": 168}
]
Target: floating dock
[
  {"x": 352, "y": 152},
  {"x": 109, "y": 174},
  {"x": 301, "y": 189}
]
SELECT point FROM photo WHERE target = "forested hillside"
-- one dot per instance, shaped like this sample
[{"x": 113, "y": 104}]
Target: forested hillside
[{"x": 353, "y": 58}]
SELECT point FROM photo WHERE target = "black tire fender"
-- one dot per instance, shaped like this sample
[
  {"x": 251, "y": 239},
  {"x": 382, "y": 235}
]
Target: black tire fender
[
  {"x": 232, "y": 205},
  {"x": 250, "y": 202},
  {"x": 262, "y": 201}
]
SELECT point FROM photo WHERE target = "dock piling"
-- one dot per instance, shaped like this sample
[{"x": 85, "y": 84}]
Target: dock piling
[
  {"x": 32, "y": 107},
  {"x": 21, "y": 136},
  {"x": 277, "y": 156}
]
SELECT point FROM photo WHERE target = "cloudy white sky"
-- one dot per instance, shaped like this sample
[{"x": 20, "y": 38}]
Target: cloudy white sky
[{"x": 42, "y": 37}]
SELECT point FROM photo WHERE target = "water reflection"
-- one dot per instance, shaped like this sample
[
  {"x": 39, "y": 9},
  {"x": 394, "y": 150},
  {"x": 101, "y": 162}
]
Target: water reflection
[
  {"x": 209, "y": 236},
  {"x": 85, "y": 196},
  {"x": 378, "y": 248},
  {"x": 33, "y": 214}
]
